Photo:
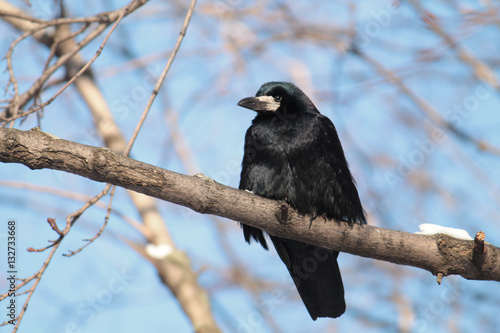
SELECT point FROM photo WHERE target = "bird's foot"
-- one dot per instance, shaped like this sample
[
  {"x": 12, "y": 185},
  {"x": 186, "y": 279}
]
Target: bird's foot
[{"x": 282, "y": 213}]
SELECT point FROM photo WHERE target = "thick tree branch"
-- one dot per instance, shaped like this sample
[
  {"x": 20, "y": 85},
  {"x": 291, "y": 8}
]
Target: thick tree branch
[{"x": 436, "y": 253}]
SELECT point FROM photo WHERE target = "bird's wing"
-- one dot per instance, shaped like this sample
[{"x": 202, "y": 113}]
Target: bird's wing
[
  {"x": 338, "y": 196},
  {"x": 250, "y": 183}
]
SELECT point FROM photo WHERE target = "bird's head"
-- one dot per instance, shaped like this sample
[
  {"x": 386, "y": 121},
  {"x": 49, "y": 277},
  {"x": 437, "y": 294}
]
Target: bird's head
[{"x": 280, "y": 98}]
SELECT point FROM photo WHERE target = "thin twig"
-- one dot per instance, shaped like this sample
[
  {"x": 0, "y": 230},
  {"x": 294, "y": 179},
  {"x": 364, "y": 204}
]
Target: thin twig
[
  {"x": 98, "y": 234},
  {"x": 21, "y": 100},
  {"x": 77, "y": 197},
  {"x": 159, "y": 83}
]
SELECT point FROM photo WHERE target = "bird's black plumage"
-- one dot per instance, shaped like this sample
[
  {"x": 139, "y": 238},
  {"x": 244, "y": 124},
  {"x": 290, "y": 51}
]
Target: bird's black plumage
[{"x": 293, "y": 153}]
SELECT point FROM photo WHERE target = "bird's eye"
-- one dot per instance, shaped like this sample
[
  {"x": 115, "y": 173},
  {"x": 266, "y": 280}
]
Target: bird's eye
[{"x": 277, "y": 98}]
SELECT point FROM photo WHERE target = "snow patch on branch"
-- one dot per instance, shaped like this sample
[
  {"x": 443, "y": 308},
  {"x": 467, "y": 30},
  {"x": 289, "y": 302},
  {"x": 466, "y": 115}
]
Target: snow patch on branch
[{"x": 432, "y": 229}]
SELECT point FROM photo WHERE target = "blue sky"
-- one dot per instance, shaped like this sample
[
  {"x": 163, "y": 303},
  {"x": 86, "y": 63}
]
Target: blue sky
[{"x": 405, "y": 175}]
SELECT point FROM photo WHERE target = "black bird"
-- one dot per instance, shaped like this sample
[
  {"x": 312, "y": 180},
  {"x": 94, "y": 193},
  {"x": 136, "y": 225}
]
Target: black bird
[{"x": 293, "y": 153}]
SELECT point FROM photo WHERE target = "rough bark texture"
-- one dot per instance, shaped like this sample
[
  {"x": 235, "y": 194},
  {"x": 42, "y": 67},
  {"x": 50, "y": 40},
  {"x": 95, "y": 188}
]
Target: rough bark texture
[{"x": 437, "y": 253}]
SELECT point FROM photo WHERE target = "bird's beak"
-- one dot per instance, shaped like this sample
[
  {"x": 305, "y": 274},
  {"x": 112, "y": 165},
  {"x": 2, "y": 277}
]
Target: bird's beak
[{"x": 261, "y": 103}]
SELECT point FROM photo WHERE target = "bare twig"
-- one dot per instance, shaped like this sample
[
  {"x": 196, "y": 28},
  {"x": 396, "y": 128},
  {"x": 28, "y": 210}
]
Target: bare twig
[
  {"x": 164, "y": 73},
  {"x": 479, "y": 249},
  {"x": 20, "y": 100},
  {"x": 479, "y": 243},
  {"x": 103, "y": 226}
]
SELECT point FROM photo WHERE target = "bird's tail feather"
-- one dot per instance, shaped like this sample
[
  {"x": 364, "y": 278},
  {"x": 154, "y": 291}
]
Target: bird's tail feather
[{"x": 316, "y": 275}]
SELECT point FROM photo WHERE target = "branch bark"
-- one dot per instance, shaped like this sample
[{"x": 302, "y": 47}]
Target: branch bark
[{"x": 437, "y": 253}]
